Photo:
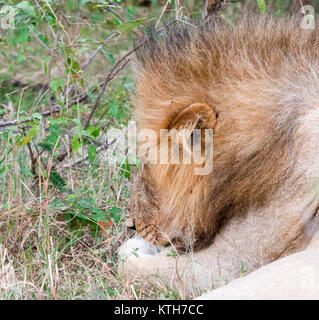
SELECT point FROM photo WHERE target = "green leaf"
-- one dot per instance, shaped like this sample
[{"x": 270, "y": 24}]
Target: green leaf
[
  {"x": 72, "y": 66},
  {"x": 76, "y": 143},
  {"x": 31, "y": 134},
  {"x": 56, "y": 83},
  {"x": 109, "y": 56},
  {"x": 22, "y": 36},
  {"x": 71, "y": 4},
  {"x": 50, "y": 141},
  {"x": 95, "y": 214},
  {"x": 46, "y": 63},
  {"x": 84, "y": 2},
  {"x": 25, "y": 140},
  {"x": 129, "y": 25},
  {"x": 126, "y": 169},
  {"x": 27, "y": 8},
  {"x": 115, "y": 213},
  {"x": 92, "y": 131},
  {"x": 91, "y": 152},
  {"x": 113, "y": 108},
  {"x": 43, "y": 38},
  {"x": 79, "y": 108},
  {"x": 57, "y": 181},
  {"x": 55, "y": 129},
  {"x": 57, "y": 204},
  {"x": 262, "y": 6},
  {"x": 79, "y": 215}
]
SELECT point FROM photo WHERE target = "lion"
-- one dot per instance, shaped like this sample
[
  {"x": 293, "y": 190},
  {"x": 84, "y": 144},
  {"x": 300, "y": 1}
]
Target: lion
[{"x": 256, "y": 86}]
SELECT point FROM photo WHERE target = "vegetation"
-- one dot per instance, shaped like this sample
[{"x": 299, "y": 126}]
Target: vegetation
[{"x": 65, "y": 81}]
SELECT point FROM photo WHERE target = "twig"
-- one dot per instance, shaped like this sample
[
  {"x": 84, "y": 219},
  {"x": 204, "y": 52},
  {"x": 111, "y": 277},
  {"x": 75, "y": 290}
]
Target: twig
[
  {"x": 115, "y": 70},
  {"x": 163, "y": 11},
  {"x": 119, "y": 17},
  {"x": 40, "y": 41},
  {"x": 123, "y": 11},
  {"x": 90, "y": 59},
  {"x": 186, "y": 23},
  {"x": 54, "y": 109},
  {"x": 32, "y": 158},
  {"x": 93, "y": 55},
  {"x": 44, "y": 14}
]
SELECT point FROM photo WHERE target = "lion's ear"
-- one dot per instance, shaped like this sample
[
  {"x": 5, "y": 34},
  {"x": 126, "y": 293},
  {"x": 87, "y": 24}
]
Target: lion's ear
[{"x": 196, "y": 116}]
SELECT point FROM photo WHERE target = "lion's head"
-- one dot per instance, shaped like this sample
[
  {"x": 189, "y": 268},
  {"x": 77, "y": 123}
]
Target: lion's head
[{"x": 250, "y": 85}]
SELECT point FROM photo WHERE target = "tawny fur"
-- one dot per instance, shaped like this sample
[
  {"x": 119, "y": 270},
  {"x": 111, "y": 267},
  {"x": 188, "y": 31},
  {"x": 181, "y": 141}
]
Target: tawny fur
[{"x": 259, "y": 77}]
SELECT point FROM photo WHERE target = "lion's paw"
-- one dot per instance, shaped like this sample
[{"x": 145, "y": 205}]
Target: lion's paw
[{"x": 136, "y": 248}]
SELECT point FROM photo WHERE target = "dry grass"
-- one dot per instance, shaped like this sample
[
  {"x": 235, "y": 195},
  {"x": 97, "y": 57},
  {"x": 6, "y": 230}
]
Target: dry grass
[
  {"x": 41, "y": 257},
  {"x": 46, "y": 254}
]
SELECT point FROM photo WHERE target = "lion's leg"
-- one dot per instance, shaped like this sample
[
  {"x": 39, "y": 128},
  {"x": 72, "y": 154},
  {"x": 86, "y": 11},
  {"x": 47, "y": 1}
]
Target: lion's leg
[{"x": 294, "y": 277}]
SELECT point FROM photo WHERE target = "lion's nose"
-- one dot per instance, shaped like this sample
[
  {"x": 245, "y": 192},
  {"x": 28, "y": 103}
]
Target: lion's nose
[{"x": 130, "y": 223}]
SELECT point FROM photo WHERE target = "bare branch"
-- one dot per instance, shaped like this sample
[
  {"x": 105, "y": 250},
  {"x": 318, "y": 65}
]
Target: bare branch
[
  {"x": 121, "y": 63},
  {"x": 54, "y": 109}
]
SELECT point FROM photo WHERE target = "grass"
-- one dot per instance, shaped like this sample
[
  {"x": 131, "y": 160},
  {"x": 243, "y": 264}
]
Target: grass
[
  {"x": 50, "y": 246},
  {"x": 51, "y": 253}
]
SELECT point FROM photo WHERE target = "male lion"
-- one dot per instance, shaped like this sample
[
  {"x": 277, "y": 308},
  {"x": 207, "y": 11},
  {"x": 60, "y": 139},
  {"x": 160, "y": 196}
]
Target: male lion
[{"x": 256, "y": 84}]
